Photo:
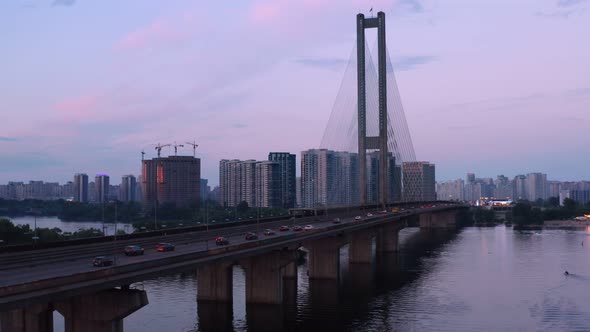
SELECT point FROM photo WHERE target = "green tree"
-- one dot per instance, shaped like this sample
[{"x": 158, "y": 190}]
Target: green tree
[{"x": 243, "y": 207}]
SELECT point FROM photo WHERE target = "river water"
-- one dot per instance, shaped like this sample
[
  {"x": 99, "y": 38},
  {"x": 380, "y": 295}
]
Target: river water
[
  {"x": 477, "y": 279},
  {"x": 69, "y": 226}
]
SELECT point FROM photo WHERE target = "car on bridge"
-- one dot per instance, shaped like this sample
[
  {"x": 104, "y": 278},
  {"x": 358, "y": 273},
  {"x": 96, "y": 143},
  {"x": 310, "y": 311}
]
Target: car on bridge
[
  {"x": 164, "y": 246},
  {"x": 297, "y": 228},
  {"x": 336, "y": 220},
  {"x": 369, "y": 214},
  {"x": 358, "y": 218},
  {"x": 269, "y": 232},
  {"x": 284, "y": 228},
  {"x": 102, "y": 261},
  {"x": 251, "y": 236},
  {"x": 308, "y": 227},
  {"x": 133, "y": 250},
  {"x": 221, "y": 241}
]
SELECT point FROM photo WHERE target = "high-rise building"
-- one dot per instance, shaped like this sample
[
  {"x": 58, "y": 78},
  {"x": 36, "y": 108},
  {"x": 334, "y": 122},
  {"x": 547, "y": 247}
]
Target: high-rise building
[
  {"x": 536, "y": 186},
  {"x": 504, "y": 188},
  {"x": 419, "y": 181},
  {"x": 450, "y": 190},
  {"x": 127, "y": 188},
  {"x": 205, "y": 189},
  {"x": 250, "y": 181},
  {"x": 317, "y": 166},
  {"x": 287, "y": 163},
  {"x": 174, "y": 180},
  {"x": 298, "y": 191},
  {"x": 101, "y": 187},
  {"x": 554, "y": 188},
  {"x": 268, "y": 184},
  {"x": 247, "y": 184},
  {"x": 230, "y": 182},
  {"x": 81, "y": 188},
  {"x": 520, "y": 188}
]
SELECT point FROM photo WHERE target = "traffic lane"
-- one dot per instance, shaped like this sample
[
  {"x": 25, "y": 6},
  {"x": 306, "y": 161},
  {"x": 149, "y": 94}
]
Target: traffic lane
[
  {"x": 40, "y": 255},
  {"x": 98, "y": 249},
  {"x": 17, "y": 276},
  {"x": 80, "y": 265}
]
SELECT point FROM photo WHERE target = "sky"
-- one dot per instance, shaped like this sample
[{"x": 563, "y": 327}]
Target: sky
[{"x": 488, "y": 86}]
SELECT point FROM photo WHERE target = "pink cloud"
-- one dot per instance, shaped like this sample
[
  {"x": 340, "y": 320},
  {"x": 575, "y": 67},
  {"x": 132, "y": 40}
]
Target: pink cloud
[
  {"x": 160, "y": 31},
  {"x": 76, "y": 108}
]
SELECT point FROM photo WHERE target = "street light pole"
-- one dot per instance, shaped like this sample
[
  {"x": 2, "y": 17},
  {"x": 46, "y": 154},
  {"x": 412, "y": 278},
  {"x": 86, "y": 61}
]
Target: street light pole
[
  {"x": 102, "y": 208},
  {"x": 115, "y": 240},
  {"x": 207, "y": 225}
]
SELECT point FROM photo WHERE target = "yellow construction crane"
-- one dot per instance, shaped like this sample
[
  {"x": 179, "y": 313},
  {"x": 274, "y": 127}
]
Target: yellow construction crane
[{"x": 194, "y": 145}]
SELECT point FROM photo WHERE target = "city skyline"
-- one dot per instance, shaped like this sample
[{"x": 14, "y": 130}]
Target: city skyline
[{"x": 487, "y": 100}]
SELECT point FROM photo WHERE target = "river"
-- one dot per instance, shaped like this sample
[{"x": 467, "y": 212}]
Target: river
[
  {"x": 477, "y": 279},
  {"x": 69, "y": 226}
]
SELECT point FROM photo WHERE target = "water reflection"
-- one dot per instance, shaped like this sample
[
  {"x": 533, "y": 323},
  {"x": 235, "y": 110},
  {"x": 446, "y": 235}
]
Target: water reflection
[{"x": 478, "y": 279}]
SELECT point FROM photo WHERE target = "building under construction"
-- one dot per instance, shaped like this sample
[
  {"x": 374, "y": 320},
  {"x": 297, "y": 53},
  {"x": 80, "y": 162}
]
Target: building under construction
[{"x": 173, "y": 179}]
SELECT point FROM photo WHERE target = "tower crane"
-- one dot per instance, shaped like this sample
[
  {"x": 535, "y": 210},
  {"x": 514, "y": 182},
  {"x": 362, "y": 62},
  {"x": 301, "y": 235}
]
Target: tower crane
[
  {"x": 159, "y": 148},
  {"x": 194, "y": 145},
  {"x": 176, "y": 146},
  {"x": 142, "y": 154}
]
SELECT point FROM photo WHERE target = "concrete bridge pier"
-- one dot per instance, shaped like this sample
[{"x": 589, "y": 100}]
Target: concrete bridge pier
[
  {"x": 101, "y": 312},
  {"x": 264, "y": 276},
  {"x": 443, "y": 219},
  {"x": 215, "y": 316},
  {"x": 324, "y": 258},
  {"x": 215, "y": 282},
  {"x": 289, "y": 273},
  {"x": 361, "y": 247},
  {"x": 34, "y": 318},
  {"x": 387, "y": 237}
]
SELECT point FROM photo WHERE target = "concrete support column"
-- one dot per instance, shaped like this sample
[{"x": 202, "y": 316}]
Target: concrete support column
[
  {"x": 387, "y": 238},
  {"x": 215, "y": 282},
  {"x": 101, "y": 312},
  {"x": 361, "y": 248},
  {"x": 34, "y": 318},
  {"x": 426, "y": 220},
  {"x": 324, "y": 258},
  {"x": 264, "y": 277},
  {"x": 451, "y": 219},
  {"x": 289, "y": 273}
]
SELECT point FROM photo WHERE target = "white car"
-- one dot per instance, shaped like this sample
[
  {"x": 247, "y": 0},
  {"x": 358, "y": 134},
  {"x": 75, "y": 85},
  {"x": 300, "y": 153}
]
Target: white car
[
  {"x": 308, "y": 227},
  {"x": 358, "y": 218},
  {"x": 369, "y": 214}
]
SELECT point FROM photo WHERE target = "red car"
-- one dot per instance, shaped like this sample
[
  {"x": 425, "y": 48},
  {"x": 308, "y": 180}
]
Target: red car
[
  {"x": 297, "y": 228},
  {"x": 164, "y": 246},
  {"x": 221, "y": 241},
  {"x": 284, "y": 228}
]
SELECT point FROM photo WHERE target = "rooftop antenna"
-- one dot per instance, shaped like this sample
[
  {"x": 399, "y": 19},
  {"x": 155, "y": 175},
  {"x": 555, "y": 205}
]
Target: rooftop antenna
[{"x": 194, "y": 145}]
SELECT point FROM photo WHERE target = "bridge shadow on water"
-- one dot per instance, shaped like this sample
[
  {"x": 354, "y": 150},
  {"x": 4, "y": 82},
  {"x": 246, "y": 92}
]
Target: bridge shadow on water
[{"x": 330, "y": 305}]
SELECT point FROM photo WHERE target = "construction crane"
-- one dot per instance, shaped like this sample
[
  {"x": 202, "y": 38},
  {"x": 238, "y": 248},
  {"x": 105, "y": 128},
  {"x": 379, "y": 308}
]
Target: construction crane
[
  {"x": 194, "y": 145},
  {"x": 176, "y": 146},
  {"x": 159, "y": 148},
  {"x": 142, "y": 154}
]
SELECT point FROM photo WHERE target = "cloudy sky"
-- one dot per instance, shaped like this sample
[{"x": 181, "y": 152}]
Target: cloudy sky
[{"x": 491, "y": 87}]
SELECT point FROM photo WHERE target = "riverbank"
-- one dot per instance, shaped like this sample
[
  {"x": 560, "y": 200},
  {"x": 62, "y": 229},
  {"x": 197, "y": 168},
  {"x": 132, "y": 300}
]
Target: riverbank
[{"x": 567, "y": 224}]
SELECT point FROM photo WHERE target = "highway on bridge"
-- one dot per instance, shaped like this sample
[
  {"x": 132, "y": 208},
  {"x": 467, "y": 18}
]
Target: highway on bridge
[{"x": 31, "y": 267}]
